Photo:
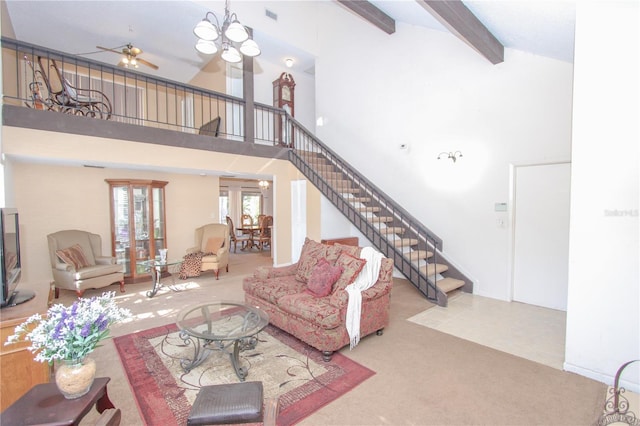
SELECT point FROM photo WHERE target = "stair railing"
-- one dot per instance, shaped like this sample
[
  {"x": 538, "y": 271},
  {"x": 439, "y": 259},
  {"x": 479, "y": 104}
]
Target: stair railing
[{"x": 378, "y": 212}]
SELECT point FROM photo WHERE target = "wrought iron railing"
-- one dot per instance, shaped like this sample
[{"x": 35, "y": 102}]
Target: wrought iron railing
[
  {"x": 143, "y": 100},
  {"x": 389, "y": 227},
  {"x": 135, "y": 98}
]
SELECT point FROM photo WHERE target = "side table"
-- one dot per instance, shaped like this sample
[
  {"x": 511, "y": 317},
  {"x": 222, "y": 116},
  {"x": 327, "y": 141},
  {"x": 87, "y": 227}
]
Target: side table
[
  {"x": 43, "y": 404},
  {"x": 155, "y": 266}
]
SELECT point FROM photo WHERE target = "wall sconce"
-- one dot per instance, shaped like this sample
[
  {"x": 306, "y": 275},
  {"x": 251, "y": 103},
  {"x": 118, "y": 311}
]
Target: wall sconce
[
  {"x": 453, "y": 155},
  {"x": 263, "y": 184}
]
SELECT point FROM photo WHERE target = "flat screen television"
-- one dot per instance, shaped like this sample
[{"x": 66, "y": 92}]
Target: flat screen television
[{"x": 10, "y": 261}]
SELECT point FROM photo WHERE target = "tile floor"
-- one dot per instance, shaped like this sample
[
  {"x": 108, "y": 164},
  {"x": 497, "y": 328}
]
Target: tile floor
[{"x": 528, "y": 331}]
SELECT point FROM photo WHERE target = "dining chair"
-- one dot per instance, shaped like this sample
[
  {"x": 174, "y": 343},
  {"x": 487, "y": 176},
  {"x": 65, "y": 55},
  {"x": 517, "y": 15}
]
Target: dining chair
[
  {"x": 243, "y": 239},
  {"x": 264, "y": 235}
]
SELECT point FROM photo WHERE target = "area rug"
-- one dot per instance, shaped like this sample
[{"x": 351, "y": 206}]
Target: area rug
[{"x": 289, "y": 370}]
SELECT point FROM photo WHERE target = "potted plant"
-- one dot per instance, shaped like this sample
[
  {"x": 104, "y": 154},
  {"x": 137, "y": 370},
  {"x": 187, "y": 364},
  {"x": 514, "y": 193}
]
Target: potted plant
[{"x": 68, "y": 334}]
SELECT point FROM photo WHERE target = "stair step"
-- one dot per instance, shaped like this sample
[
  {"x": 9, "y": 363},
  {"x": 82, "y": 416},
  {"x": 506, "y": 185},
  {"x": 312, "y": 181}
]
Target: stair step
[
  {"x": 404, "y": 242},
  {"x": 419, "y": 255},
  {"x": 347, "y": 190},
  {"x": 339, "y": 182},
  {"x": 449, "y": 284},
  {"x": 331, "y": 175},
  {"x": 359, "y": 200},
  {"x": 392, "y": 230},
  {"x": 322, "y": 168},
  {"x": 368, "y": 209},
  {"x": 434, "y": 268},
  {"x": 378, "y": 219}
]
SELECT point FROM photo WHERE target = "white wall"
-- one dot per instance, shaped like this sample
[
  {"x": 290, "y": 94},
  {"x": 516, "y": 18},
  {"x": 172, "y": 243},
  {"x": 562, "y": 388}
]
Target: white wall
[
  {"x": 603, "y": 316},
  {"x": 429, "y": 90}
]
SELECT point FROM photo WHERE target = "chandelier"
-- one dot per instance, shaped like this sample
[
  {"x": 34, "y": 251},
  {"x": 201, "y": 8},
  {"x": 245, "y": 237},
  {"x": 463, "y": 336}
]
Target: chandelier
[{"x": 232, "y": 37}]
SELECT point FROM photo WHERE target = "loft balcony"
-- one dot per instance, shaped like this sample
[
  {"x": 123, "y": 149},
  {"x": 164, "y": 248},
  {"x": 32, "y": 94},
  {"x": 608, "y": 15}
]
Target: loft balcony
[{"x": 102, "y": 100}]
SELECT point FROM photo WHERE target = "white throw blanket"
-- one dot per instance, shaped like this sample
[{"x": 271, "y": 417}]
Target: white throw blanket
[{"x": 365, "y": 279}]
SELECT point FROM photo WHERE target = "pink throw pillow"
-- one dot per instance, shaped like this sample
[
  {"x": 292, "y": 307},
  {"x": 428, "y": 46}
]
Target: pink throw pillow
[
  {"x": 322, "y": 278},
  {"x": 351, "y": 266}
]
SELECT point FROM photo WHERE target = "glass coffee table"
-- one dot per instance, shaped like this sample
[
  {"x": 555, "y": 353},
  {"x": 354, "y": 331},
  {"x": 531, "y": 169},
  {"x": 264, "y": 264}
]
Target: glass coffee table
[
  {"x": 155, "y": 266},
  {"x": 229, "y": 327}
]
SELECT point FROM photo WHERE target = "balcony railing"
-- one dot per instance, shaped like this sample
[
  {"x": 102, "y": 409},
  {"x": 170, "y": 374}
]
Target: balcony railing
[{"x": 133, "y": 97}]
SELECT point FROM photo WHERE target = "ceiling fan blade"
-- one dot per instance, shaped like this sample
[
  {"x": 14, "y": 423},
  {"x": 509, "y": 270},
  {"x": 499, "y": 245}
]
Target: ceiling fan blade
[
  {"x": 147, "y": 63},
  {"x": 109, "y": 50}
]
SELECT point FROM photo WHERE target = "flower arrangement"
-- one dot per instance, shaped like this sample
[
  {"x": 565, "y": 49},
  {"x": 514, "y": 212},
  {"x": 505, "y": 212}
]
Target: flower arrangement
[{"x": 70, "y": 333}]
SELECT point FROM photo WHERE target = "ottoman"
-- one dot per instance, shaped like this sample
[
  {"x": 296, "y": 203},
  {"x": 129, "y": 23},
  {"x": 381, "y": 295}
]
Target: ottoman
[{"x": 228, "y": 403}]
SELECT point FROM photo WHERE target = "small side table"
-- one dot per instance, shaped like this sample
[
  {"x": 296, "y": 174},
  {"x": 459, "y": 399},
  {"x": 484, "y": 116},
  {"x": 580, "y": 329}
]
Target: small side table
[
  {"x": 155, "y": 266},
  {"x": 45, "y": 405}
]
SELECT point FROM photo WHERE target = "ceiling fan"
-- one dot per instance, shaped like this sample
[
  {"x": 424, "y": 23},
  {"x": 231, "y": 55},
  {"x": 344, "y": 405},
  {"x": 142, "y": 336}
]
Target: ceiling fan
[{"x": 130, "y": 57}]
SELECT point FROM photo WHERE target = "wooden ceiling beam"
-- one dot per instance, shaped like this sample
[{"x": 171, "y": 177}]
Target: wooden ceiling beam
[
  {"x": 372, "y": 14},
  {"x": 462, "y": 22}
]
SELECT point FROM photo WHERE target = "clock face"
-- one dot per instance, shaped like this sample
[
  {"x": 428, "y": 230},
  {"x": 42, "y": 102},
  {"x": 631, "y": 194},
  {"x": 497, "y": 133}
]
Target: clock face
[{"x": 286, "y": 93}]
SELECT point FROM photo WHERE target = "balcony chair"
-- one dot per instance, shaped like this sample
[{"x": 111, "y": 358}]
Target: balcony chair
[
  {"x": 64, "y": 97},
  {"x": 211, "y": 128},
  {"x": 244, "y": 239},
  {"x": 77, "y": 262},
  {"x": 212, "y": 240}
]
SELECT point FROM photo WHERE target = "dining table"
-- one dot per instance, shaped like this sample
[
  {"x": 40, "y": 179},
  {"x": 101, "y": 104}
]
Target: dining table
[{"x": 252, "y": 231}]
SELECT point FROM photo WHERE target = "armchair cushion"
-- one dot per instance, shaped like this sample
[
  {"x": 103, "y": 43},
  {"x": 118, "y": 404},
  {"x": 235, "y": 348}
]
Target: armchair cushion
[
  {"x": 73, "y": 256},
  {"x": 93, "y": 271},
  {"x": 213, "y": 244}
]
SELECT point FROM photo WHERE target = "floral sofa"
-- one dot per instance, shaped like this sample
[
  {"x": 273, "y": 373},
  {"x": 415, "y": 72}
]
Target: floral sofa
[{"x": 309, "y": 303}]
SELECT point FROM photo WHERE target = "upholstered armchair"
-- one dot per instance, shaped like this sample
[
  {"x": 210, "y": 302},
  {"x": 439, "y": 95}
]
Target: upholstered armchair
[
  {"x": 77, "y": 262},
  {"x": 212, "y": 240}
]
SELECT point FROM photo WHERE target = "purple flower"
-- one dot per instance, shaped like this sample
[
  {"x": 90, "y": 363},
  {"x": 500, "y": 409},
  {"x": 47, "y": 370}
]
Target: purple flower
[
  {"x": 102, "y": 322},
  {"x": 57, "y": 330},
  {"x": 86, "y": 330}
]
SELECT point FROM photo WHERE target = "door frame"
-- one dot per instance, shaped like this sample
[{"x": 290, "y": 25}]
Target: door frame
[{"x": 513, "y": 174}]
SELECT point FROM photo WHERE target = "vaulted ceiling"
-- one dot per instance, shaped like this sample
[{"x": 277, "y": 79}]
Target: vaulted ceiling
[{"x": 163, "y": 28}]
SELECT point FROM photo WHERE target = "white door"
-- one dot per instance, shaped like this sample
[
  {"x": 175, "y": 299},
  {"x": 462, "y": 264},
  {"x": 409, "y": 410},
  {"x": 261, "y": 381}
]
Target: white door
[{"x": 541, "y": 235}]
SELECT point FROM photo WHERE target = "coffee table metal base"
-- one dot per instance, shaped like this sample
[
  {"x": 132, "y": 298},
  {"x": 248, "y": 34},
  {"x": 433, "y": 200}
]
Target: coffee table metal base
[{"x": 202, "y": 348}]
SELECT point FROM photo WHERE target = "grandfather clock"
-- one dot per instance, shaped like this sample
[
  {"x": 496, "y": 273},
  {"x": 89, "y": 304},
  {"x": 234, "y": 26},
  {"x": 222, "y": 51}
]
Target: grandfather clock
[{"x": 283, "y": 89}]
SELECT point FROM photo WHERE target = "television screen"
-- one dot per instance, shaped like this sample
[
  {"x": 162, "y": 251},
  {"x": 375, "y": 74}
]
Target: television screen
[{"x": 10, "y": 260}]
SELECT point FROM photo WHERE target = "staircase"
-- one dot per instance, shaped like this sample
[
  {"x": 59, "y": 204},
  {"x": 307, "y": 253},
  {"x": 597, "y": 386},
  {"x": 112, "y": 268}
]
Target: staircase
[{"x": 415, "y": 250}]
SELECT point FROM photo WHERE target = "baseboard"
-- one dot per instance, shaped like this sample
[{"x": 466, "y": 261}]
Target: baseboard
[{"x": 600, "y": 377}]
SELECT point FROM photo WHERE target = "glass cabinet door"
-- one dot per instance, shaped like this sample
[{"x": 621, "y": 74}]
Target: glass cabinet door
[
  {"x": 158, "y": 220},
  {"x": 120, "y": 215},
  {"x": 137, "y": 223},
  {"x": 141, "y": 225}
]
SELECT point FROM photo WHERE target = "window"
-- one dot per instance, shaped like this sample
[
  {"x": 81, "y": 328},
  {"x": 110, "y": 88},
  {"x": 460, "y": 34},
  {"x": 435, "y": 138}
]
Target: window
[
  {"x": 252, "y": 204},
  {"x": 224, "y": 206}
]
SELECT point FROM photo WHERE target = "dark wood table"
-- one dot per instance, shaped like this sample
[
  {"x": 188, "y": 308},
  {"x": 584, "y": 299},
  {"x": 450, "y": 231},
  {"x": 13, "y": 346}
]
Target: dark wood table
[
  {"x": 43, "y": 404},
  {"x": 250, "y": 230}
]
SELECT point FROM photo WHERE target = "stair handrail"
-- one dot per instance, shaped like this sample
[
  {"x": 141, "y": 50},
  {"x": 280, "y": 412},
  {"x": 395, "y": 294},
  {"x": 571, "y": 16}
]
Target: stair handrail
[
  {"x": 304, "y": 141},
  {"x": 351, "y": 171}
]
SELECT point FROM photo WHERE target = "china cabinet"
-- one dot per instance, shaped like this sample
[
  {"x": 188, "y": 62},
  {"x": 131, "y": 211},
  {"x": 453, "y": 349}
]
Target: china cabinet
[{"x": 137, "y": 224}]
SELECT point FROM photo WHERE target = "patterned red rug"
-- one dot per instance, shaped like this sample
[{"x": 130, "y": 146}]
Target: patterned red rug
[{"x": 289, "y": 370}]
